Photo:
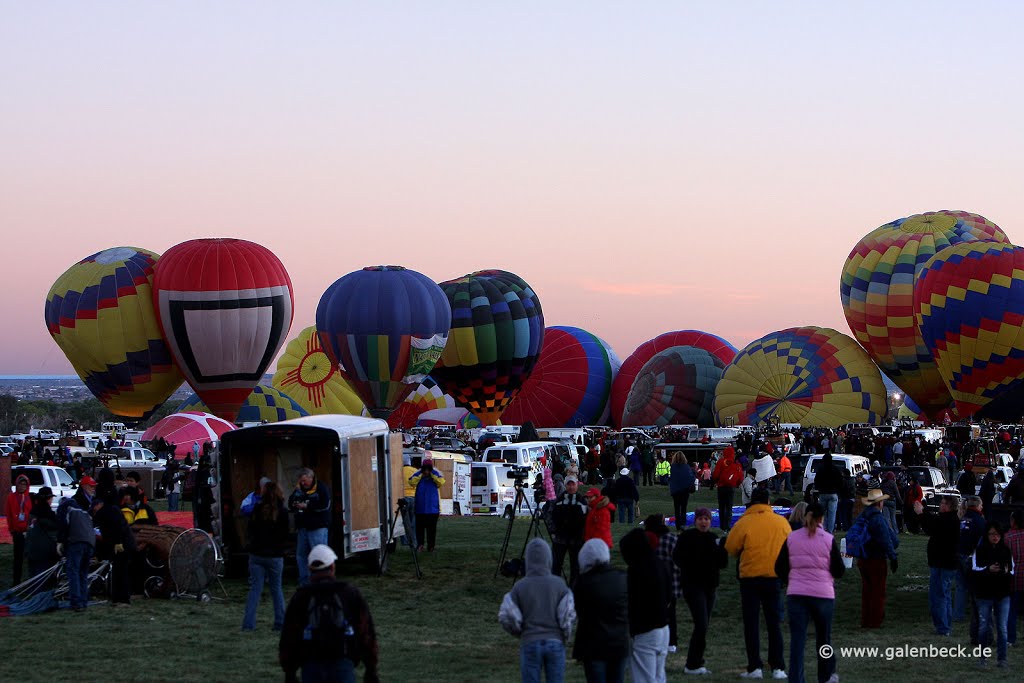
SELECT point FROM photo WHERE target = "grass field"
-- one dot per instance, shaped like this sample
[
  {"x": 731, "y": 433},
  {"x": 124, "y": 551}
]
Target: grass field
[{"x": 443, "y": 627}]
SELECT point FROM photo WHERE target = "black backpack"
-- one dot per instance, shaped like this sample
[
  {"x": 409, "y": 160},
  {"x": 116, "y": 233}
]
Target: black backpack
[{"x": 328, "y": 634}]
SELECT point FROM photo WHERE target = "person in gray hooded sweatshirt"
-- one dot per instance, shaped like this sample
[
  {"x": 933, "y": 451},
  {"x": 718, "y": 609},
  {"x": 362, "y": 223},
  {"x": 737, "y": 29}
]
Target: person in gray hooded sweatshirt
[{"x": 540, "y": 611}]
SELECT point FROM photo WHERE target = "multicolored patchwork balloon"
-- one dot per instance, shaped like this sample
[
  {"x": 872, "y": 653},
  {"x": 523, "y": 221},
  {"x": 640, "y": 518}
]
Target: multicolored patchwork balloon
[
  {"x": 100, "y": 313},
  {"x": 495, "y": 340},
  {"x": 877, "y": 293},
  {"x": 265, "y": 404},
  {"x": 571, "y": 383},
  {"x": 812, "y": 375},
  {"x": 969, "y": 303},
  {"x": 428, "y": 395},
  {"x": 676, "y": 386},
  {"x": 307, "y": 374},
  {"x": 386, "y": 327},
  {"x": 631, "y": 367}
]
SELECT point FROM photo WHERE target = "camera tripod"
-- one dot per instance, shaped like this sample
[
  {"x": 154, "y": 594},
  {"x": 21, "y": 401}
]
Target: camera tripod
[
  {"x": 401, "y": 512},
  {"x": 535, "y": 529}
]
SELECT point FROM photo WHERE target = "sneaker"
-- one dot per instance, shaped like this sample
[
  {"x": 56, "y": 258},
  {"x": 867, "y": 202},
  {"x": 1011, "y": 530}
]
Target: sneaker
[
  {"x": 1003, "y": 664},
  {"x": 779, "y": 675},
  {"x": 756, "y": 673},
  {"x": 834, "y": 678},
  {"x": 699, "y": 671},
  {"x": 672, "y": 648}
]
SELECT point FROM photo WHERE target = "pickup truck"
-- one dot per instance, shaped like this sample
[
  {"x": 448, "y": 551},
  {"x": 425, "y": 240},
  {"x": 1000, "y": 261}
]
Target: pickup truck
[{"x": 127, "y": 458}]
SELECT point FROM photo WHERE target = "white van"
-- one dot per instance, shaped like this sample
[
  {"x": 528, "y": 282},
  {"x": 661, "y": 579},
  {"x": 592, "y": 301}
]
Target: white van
[
  {"x": 529, "y": 454},
  {"x": 493, "y": 491},
  {"x": 856, "y": 464},
  {"x": 57, "y": 478}
]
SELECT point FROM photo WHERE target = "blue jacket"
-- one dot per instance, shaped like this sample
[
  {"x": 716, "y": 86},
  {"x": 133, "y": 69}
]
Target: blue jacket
[
  {"x": 680, "y": 479},
  {"x": 883, "y": 541},
  {"x": 972, "y": 530},
  {"x": 428, "y": 500}
]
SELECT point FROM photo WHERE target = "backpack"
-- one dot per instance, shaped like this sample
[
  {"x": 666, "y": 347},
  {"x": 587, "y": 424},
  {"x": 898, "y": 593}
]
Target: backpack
[
  {"x": 857, "y": 538},
  {"x": 328, "y": 634}
]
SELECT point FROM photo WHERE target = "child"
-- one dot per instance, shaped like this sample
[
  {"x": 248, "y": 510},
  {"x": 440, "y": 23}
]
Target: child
[{"x": 599, "y": 517}]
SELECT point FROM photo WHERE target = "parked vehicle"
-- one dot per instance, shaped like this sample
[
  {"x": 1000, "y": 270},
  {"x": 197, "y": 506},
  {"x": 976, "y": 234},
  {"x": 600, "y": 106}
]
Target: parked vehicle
[
  {"x": 857, "y": 465},
  {"x": 450, "y": 444},
  {"x": 493, "y": 492},
  {"x": 358, "y": 458},
  {"x": 717, "y": 434},
  {"x": 529, "y": 454},
  {"x": 126, "y": 457},
  {"x": 933, "y": 484},
  {"x": 56, "y": 478},
  {"x": 455, "y": 468}
]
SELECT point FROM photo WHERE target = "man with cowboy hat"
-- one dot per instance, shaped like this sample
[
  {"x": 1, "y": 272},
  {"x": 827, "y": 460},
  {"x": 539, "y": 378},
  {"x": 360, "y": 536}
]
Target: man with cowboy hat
[{"x": 880, "y": 545}]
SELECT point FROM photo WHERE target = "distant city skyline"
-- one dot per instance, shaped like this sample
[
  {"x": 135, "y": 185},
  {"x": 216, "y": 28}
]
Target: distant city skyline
[{"x": 645, "y": 167}]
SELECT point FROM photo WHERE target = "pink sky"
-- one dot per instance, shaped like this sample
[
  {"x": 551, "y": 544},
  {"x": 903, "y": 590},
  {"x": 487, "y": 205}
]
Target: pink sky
[{"x": 645, "y": 168}]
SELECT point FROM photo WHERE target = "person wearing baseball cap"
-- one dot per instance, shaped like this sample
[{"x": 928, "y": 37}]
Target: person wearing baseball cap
[
  {"x": 328, "y": 629},
  {"x": 76, "y": 539},
  {"x": 569, "y": 515}
]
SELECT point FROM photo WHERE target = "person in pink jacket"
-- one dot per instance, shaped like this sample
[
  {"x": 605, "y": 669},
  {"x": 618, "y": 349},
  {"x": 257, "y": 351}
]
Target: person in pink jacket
[{"x": 810, "y": 561}]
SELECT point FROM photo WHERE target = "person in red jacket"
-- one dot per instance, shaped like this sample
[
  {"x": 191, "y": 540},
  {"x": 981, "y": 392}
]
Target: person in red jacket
[
  {"x": 727, "y": 476},
  {"x": 599, "y": 517},
  {"x": 19, "y": 507}
]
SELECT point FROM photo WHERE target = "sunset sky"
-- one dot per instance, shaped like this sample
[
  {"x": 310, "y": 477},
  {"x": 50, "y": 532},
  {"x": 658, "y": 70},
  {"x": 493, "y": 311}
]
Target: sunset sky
[{"x": 645, "y": 166}]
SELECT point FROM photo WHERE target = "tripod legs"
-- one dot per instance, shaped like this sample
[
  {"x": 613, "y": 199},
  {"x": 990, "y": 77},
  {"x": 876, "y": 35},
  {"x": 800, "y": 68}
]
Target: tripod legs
[{"x": 401, "y": 512}]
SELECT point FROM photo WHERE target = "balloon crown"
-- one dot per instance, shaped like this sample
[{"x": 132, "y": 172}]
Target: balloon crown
[{"x": 384, "y": 268}]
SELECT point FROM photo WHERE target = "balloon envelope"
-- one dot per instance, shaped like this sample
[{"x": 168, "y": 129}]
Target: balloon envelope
[
  {"x": 386, "y": 326},
  {"x": 428, "y": 395},
  {"x": 460, "y": 417},
  {"x": 307, "y": 374},
  {"x": 182, "y": 430},
  {"x": 496, "y": 337},
  {"x": 225, "y": 307},
  {"x": 265, "y": 404},
  {"x": 812, "y": 375},
  {"x": 571, "y": 383},
  {"x": 676, "y": 386},
  {"x": 877, "y": 293},
  {"x": 714, "y": 344},
  {"x": 969, "y": 303},
  {"x": 100, "y": 313}
]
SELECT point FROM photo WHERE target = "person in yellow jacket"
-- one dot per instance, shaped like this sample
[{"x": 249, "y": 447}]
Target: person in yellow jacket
[
  {"x": 662, "y": 470},
  {"x": 757, "y": 538}
]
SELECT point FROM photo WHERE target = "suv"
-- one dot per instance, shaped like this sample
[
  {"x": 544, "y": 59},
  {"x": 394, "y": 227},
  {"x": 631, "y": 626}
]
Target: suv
[
  {"x": 933, "y": 484},
  {"x": 57, "y": 478},
  {"x": 857, "y": 465},
  {"x": 450, "y": 444}
]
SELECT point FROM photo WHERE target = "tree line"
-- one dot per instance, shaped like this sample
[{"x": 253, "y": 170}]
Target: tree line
[{"x": 18, "y": 415}]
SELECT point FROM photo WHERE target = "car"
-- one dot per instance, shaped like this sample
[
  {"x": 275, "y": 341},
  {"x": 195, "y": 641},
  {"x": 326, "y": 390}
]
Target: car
[
  {"x": 1003, "y": 476},
  {"x": 125, "y": 457},
  {"x": 57, "y": 478},
  {"x": 450, "y": 444},
  {"x": 6, "y": 449},
  {"x": 933, "y": 484}
]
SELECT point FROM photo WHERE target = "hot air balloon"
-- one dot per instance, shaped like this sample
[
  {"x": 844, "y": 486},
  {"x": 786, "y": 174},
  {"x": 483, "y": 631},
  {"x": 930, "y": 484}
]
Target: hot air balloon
[
  {"x": 428, "y": 395},
  {"x": 182, "y": 430},
  {"x": 225, "y": 307},
  {"x": 676, "y": 386},
  {"x": 909, "y": 410},
  {"x": 969, "y": 303},
  {"x": 100, "y": 313},
  {"x": 311, "y": 379},
  {"x": 386, "y": 326},
  {"x": 643, "y": 353},
  {"x": 265, "y": 404},
  {"x": 571, "y": 383},
  {"x": 814, "y": 376},
  {"x": 460, "y": 417},
  {"x": 877, "y": 292},
  {"x": 496, "y": 336}
]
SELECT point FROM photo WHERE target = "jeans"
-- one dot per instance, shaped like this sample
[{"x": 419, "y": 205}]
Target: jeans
[
  {"x": 1011, "y": 621},
  {"x": 328, "y": 671},
  {"x": 940, "y": 598},
  {"x": 965, "y": 597},
  {"x": 77, "y": 556},
  {"x": 701, "y": 601},
  {"x": 759, "y": 594},
  {"x": 264, "y": 570},
  {"x": 173, "y": 501},
  {"x": 829, "y": 501},
  {"x": 605, "y": 670},
  {"x": 725, "y": 494},
  {"x": 305, "y": 541},
  {"x": 890, "y": 516},
  {"x": 785, "y": 479},
  {"x": 803, "y": 609},
  {"x": 844, "y": 514},
  {"x": 680, "y": 501},
  {"x": 647, "y": 660},
  {"x": 535, "y": 655},
  {"x": 626, "y": 508},
  {"x": 996, "y": 611}
]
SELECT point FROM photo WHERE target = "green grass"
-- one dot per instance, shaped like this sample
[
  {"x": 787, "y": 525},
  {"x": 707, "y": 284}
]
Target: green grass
[{"x": 443, "y": 627}]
